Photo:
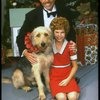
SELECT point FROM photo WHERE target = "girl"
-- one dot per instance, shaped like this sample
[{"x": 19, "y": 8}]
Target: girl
[{"x": 62, "y": 82}]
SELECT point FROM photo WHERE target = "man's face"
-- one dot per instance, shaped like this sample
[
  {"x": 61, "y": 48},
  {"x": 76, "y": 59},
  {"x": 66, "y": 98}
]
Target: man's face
[{"x": 48, "y": 4}]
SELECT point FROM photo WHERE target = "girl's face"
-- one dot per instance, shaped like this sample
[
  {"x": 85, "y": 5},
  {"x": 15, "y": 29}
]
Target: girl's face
[
  {"x": 48, "y": 4},
  {"x": 59, "y": 35}
]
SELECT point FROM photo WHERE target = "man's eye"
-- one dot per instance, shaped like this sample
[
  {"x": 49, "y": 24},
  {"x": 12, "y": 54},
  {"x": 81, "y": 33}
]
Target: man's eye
[
  {"x": 38, "y": 35},
  {"x": 46, "y": 34}
]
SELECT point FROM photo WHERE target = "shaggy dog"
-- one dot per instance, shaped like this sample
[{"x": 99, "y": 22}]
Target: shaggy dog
[{"x": 26, "y": 73}]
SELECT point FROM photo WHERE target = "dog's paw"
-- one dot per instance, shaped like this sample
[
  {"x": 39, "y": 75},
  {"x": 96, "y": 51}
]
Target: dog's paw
[
  {"x": 48, "y": 88},
  {"x": 34, "y": 84},
  {"x": 26, "y": 88},
  {"x": 42, "y": 97}
]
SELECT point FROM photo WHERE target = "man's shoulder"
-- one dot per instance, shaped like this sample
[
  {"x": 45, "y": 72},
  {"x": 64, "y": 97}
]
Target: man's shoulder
[{"x": 34, "y": 11}]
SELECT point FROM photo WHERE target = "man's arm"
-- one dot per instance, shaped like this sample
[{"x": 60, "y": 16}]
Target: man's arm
[{"x": 26, "y": 27}]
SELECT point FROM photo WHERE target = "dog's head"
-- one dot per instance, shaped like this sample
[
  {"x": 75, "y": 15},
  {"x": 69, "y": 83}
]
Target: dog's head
[{"x": 41, "y": 37}]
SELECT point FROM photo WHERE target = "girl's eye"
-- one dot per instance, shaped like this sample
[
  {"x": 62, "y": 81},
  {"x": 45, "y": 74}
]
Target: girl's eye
[{"x": 63, "y": 33}]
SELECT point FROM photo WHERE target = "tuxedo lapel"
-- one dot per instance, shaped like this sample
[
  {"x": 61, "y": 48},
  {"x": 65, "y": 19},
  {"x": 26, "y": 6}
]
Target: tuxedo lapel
[{"x": 40, "y": 20}]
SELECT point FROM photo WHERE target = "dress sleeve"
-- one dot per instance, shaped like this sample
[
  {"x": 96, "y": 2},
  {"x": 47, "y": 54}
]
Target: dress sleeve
[{"x": 73, "y": 54}]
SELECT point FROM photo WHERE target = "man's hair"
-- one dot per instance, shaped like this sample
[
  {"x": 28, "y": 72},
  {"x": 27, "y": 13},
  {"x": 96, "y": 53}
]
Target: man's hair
[{"x": 60, "y": 23}]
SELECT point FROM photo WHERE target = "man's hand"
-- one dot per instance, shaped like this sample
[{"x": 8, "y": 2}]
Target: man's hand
[
  {"x": 30, "y": 57},
  {"x": 73, "y": 46}
]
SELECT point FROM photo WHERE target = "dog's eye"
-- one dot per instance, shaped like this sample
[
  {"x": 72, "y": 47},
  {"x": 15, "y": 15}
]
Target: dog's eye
[
  {"x": 46, "y": 34},
  {"x": 38, "y": 35}
]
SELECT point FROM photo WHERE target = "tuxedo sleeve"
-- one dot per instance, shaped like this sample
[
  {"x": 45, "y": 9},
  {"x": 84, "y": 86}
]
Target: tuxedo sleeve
[
  {"x": 71, "y": 34},
  {"x": 26, "y": 27},
  {"x": 70, "y": 16}
]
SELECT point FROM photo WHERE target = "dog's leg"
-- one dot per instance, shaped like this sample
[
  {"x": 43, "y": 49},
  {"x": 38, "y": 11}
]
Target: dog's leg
[
  {"x": 37, "y": 75},
  {"x": 18, "y": 79},
  {"x": 47, "y": 80}
]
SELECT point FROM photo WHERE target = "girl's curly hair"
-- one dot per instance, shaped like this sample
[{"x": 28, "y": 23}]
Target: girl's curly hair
[{"x": 60, "y": 23}]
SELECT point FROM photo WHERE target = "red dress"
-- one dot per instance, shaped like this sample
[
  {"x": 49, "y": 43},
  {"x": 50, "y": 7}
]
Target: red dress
[{"x": 61, "y": 69}]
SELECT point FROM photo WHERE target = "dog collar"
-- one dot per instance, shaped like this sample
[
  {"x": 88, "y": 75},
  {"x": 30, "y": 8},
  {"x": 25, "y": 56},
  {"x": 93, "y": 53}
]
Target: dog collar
[{"x": 29, "y": 45}]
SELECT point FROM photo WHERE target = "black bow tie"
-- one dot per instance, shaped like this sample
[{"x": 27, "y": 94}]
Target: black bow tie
[{"x": 51, "y": 13}]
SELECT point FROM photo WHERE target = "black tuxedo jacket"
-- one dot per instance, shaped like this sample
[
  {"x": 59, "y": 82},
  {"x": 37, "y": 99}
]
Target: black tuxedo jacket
[{"x": 34, "y": 19}]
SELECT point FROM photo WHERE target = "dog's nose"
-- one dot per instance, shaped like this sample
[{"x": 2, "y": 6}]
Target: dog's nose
[{"x": 42, "y": 44}]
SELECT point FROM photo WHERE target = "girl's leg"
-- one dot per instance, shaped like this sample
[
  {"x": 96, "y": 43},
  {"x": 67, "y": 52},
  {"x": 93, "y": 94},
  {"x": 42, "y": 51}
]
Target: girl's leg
[
  {"x": 61, "y": 96},
  {"x": 73, "y": 96}
]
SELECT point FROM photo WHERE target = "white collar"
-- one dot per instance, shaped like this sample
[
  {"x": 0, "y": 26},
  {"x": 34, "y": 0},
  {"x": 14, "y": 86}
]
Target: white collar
[
  {"x": 53, "y": 9},
  {"x": 47, "y": 20},
  {"x": 62, "y": 48}
]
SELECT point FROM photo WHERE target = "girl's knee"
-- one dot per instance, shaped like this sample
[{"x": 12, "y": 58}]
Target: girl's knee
[
  {"x": 73, "y": 96},
  {"x": 61, "y": 96}
]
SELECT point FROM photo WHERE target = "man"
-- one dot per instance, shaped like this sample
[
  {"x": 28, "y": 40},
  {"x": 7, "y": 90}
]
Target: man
[{"x": 40, "y": 17}]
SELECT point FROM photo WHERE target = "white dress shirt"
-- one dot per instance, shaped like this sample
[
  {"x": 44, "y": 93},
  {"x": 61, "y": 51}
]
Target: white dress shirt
[{"x": 47, "y": 20}]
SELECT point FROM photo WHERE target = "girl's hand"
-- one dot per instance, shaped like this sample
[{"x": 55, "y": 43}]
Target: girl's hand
[
  {"x": 64, "y": 82},
  {"x": 30, "y": 57}
]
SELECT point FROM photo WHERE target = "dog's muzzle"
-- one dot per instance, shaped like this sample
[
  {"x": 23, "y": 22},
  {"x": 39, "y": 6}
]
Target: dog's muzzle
[{"x": 43, "y": 44}]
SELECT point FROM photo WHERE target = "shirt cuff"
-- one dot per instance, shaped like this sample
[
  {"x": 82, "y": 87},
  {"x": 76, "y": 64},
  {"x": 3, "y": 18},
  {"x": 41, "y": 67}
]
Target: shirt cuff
[{"x": 23, "y": 52}]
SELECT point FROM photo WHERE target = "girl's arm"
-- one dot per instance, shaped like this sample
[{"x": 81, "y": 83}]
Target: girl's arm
[
  {"x": 74, "y": 69},
  {"x": 71, "y": 75}
]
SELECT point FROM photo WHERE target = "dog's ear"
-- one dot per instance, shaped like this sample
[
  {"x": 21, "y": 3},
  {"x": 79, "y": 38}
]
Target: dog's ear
[
  {"x": 50, "y": 32},
  {"x": 31, "y": 36}
]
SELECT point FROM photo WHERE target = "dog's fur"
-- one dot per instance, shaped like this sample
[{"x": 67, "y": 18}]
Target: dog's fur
[{"x": 26, "y": 74}]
